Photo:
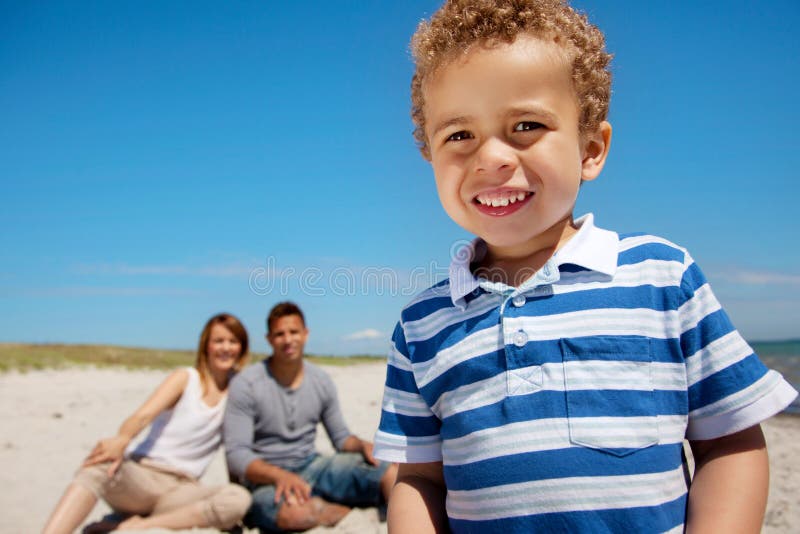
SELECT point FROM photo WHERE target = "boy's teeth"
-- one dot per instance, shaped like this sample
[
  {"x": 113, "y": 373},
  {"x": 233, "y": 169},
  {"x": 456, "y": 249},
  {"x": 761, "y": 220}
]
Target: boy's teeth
[{"x": 503, "y": 200}]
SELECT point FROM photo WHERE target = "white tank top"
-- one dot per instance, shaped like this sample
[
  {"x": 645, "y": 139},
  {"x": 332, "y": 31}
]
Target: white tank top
[{"x": 184, "y": 438}]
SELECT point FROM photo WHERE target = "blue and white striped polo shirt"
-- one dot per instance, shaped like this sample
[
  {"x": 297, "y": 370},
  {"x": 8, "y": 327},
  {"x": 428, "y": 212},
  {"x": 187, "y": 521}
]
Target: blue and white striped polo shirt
[{"x": 562, "y": 405}]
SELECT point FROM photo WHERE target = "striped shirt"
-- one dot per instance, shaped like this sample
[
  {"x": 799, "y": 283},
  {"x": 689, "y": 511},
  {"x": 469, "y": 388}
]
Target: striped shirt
[{"x": 562, "y": 404}]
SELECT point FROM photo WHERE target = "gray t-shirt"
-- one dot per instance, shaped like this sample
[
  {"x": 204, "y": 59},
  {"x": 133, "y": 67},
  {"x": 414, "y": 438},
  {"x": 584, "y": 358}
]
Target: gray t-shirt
[{"x": 264, "y": 420}]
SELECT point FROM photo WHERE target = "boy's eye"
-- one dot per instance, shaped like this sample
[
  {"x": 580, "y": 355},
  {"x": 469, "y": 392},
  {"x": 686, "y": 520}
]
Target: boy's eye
[
  {"x": 460, "y": 136},
  {"x": 527, "y": 126}
]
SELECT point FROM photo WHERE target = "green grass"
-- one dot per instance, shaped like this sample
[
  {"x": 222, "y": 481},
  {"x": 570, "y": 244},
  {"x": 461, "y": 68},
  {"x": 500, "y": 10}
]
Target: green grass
[
  {"x": 26, "y": 356},
  {"x": 345, "y": 360}
]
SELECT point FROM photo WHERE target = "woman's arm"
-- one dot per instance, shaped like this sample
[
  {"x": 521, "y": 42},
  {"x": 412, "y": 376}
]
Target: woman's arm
[
  {"x": 730, "y": 484},
  {"x": 163, "y": 398}
]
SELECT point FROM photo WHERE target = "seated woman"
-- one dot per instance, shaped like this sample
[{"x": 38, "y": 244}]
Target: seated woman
[{"x": 156, "y": 483}]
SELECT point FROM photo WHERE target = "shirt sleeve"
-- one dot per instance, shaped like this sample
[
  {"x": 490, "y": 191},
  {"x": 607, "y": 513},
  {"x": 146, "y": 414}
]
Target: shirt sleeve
[
  {"x": 332, "y": 418},
  {"x": 409, "y": 432},
  {"x": 729, "y": 389},
  {"x": 238, "y": 426}
]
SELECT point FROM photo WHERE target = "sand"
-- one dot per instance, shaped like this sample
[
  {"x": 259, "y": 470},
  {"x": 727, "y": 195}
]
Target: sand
[{"x": 49, "y": 420}]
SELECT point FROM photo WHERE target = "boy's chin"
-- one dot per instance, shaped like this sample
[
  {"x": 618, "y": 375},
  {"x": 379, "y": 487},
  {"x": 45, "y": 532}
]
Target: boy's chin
[{"x": 505, "y": 239}]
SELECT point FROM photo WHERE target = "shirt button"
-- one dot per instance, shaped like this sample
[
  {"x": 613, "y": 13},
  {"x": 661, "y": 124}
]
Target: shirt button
[
  {"x": 518, "y": 301},
  {"x": 520, "y": 338}
]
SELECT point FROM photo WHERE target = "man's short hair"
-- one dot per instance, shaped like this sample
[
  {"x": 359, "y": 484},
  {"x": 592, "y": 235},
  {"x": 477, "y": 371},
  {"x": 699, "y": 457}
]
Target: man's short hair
[
  {"x": 461, "y": 24},
  {"x": 282, "y": 309}
]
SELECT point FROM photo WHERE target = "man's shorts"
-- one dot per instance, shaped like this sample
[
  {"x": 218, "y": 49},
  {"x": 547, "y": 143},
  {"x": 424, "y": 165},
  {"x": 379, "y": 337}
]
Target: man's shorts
[{"x": 344, "y": 478}]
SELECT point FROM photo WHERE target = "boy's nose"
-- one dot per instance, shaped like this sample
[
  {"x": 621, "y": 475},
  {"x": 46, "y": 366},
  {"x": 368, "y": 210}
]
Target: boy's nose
[{"x": 495, "y": 155}]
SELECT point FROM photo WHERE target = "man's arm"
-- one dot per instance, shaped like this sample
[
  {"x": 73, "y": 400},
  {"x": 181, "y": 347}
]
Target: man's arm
[
  {"x": 331, "y": 416},
  {"x": 730, "y": 484},
  {"x": 334, "y": 424},
  {"x": 243, "y": 463},
  {"x": 356, "y": 444},
  {"x": 418, "y": 500},
  {"x": 238, "y": 427}
]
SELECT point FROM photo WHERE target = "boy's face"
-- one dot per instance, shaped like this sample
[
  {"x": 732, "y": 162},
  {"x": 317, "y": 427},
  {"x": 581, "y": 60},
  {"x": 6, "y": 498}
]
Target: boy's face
[{"x": 508, "y": 157}]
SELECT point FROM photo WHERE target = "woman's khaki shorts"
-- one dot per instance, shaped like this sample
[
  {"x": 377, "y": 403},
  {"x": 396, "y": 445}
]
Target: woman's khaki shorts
[{"x": 146, "y": 490}]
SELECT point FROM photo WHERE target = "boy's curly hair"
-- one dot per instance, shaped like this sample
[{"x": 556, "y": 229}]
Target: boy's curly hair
[{"x": 461, "y": 24}]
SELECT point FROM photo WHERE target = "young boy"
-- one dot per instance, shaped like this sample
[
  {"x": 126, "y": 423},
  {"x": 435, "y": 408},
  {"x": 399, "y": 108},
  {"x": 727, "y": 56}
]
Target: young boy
[{"x": 549, "y": 383}]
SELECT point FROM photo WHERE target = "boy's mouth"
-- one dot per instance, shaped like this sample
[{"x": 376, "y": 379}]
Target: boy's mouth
[{"x": 501, "y": 203}]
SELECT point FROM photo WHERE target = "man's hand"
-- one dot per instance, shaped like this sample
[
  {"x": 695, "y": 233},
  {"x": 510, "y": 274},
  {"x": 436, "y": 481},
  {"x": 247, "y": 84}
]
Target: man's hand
[
  {"x": 292, "y": 488},
  {"x": 366, "y": 451},
  {"x": 354, "y": 444}
]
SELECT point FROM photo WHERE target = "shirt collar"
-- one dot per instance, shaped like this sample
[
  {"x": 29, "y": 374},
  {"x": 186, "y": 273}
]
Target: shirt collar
[{"x": 591, "y": 248}]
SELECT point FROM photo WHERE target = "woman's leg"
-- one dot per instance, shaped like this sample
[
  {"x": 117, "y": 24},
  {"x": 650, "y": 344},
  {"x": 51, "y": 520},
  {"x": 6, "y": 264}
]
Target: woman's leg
[
  {"x": 192, "y": 504},
  {"x": 71, "y": 510},
  {"x": 134, "y": 489}
]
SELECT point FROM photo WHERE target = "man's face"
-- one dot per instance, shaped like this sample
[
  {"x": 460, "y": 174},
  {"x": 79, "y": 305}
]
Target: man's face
[
  {"x": 287, "y": 336},
  {"x": 507, "y": 154}
]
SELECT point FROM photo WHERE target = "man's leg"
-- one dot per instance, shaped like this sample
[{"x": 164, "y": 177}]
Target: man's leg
[
  {"x": 348, "y": 479},
  {"x": 314, "y": 512},
  {"x": 271, "y": 517}
]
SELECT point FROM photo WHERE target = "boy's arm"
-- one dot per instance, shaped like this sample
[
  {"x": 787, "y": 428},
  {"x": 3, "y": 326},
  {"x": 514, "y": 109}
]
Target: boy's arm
[
  {"x": 730, "y": 484},
  {"x": 417, "y": 503}
]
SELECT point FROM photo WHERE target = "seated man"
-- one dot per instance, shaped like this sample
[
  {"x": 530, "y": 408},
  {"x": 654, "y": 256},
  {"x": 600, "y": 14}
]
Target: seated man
[{"x": 269, "y": 431}]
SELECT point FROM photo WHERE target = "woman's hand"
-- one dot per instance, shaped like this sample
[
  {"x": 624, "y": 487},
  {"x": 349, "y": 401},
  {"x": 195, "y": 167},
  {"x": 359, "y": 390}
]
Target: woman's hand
[
  {"x": 163, "y": 398},
  {"x": 108, "y": 450}
]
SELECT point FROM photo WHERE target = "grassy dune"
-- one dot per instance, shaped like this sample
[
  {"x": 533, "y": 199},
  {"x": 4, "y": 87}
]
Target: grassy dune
[{"x": 26, "y": 356}]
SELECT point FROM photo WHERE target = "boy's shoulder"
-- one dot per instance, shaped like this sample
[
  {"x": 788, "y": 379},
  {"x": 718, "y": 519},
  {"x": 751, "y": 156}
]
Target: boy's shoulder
[
  {"x": 633, "y": 248},
  {"x": 427, "y": 301},
  {"x": 640, "y": 246}
]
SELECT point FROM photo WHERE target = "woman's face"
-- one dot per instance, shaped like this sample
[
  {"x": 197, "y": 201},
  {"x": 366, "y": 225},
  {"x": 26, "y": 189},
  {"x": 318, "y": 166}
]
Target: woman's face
[{"x": 223, "y": 350}]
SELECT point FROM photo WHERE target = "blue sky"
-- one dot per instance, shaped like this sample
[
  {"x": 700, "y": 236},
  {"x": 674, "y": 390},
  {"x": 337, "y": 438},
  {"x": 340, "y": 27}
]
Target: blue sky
[{"x": 163, "y": 161}]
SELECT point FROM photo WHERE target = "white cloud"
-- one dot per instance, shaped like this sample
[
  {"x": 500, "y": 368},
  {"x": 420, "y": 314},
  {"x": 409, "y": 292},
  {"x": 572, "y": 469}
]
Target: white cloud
[
  {"x": 124, "y": 269},
  {"x": 369, "y": 333},
  {"x": 87, "y": 291},
  {"x": 759, "y": 278}
]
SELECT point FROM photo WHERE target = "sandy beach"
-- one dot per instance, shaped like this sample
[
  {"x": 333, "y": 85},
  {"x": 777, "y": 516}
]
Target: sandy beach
[{"x": 50, "y": 419}]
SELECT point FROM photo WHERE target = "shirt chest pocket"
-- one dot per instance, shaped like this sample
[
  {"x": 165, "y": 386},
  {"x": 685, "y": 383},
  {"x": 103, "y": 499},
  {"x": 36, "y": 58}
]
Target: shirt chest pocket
[{"x": 610, "y": 400}]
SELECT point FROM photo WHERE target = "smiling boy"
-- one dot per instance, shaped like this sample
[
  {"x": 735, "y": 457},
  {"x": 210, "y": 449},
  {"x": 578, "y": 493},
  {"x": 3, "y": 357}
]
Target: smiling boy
[{"x": 549, "y": 383}]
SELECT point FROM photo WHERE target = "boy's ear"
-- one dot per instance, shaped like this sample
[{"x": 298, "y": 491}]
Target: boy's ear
[{"x": 595, "y": 151}]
